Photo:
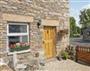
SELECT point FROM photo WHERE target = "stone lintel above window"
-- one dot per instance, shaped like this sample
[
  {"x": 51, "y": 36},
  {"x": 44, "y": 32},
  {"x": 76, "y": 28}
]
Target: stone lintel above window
[{"x": 17, "y": 18}]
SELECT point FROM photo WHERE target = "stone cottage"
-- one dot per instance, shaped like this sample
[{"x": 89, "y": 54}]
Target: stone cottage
[{"x": 44, "y": 24}]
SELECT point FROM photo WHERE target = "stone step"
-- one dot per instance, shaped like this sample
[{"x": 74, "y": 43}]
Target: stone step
[{"x": 50, "y": 60}]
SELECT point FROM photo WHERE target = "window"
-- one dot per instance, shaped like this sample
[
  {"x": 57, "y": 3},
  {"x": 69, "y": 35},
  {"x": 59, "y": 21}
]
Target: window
[
  {"x": 20, "y": 1},
  {"x": 48, "y": 0},
  {"x": 28, "y": 0},
  {"x": 18, "y": 36}
]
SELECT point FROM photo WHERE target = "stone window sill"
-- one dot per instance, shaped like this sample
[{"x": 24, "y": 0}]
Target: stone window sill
[{"x": 19, "y": 52}]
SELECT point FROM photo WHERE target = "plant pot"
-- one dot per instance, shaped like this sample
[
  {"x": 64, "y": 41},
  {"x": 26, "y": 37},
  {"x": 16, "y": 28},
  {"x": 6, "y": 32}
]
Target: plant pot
[{"x": 58, "y": 58}]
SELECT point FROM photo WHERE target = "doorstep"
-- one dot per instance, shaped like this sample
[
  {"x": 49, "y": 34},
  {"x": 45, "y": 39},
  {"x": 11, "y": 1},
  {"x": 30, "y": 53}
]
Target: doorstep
[{"x": 51, "y": 60}]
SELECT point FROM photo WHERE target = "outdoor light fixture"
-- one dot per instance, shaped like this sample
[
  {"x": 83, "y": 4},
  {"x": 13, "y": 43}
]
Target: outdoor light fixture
[{"x": 39, "y": 23}]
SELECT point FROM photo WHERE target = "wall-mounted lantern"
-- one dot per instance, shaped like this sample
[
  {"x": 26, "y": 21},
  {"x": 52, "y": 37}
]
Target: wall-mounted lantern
[{"x": 39, "y": 23}]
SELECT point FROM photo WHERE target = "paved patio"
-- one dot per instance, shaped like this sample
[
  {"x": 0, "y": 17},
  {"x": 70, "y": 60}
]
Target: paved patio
[
  {"x": 64, "y": 65},
  {"x": 5, "y": 68}
]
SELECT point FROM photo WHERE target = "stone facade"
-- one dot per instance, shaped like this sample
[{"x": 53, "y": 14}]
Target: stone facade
[{"x": 38, "y": 9}]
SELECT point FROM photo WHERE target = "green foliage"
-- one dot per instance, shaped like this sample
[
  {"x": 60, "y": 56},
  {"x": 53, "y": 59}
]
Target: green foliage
[
  {"x": 19, "y": 48},
  {"x": 85, "y": 18},
  {"x": 76, "y": 35},
  {"x": 64, "y": 55},
  {"x": 74, "y": 30},
  {"x": 78, "y": 30}
]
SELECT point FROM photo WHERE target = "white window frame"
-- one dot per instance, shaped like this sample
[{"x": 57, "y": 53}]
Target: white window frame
[
  {"x": 16, "y": 34},
  {"x": 49, "y": 0},
  {"x": 29, "y": 1}
]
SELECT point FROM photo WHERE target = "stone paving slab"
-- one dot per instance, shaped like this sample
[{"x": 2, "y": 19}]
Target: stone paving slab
[
  {"x": 65, "y": 65},
  {"x": 5, "y": 68}
]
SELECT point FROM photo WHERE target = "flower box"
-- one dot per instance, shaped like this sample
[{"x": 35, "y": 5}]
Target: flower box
[{"x": 20, "y": 46}]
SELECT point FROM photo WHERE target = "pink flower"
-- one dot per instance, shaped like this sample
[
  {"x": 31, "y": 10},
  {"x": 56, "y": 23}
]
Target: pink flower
[
  {"x": 22, "y": 44},
  {"x": 17, "y": 44},
  {"x": 27, "y": 44}
]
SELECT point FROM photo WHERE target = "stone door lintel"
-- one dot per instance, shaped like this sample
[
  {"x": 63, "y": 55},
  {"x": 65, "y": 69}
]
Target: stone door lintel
[{"x": 50, "y": 22}]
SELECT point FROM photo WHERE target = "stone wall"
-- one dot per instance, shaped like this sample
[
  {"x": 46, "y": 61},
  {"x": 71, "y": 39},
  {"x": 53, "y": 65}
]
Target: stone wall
[
  {"x": 3, "y": 33},
  {"x": 44, "y": 10}
]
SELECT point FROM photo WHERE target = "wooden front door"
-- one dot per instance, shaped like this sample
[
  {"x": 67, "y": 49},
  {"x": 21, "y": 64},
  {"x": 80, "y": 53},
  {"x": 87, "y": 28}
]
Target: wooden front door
[{"x": 49, "y": 41}]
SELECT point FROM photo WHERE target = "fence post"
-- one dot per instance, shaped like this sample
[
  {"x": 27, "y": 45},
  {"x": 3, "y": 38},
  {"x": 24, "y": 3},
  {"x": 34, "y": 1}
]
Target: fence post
[{"x": 76, "y": 56}]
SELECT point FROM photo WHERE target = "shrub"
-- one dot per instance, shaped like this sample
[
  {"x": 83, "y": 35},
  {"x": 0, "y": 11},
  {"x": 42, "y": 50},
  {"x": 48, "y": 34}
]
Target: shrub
[{"x": 64, "y": 55}]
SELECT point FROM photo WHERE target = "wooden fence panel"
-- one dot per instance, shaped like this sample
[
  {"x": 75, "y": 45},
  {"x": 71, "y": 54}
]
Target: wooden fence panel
[{"x": 83, "y": 54}]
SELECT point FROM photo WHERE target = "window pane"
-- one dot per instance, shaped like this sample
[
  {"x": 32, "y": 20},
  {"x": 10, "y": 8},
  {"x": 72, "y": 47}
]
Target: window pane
[
  {"x": 13, "y": 40},
  {"x": 18, "y": 43},
  {"x": 17, "y": 28},
  {"x": 17, "y": 39},
  {"x": 24, "y": 39}
]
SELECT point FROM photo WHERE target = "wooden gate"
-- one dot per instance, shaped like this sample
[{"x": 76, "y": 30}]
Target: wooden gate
[
  {"x": 83, "y": 54},
  {"x": 49, "y": 41}
]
